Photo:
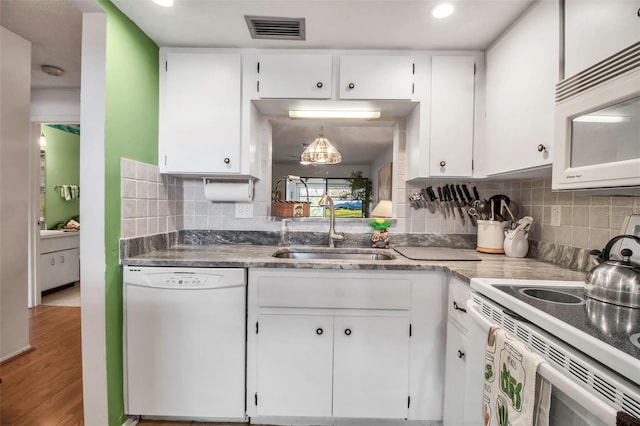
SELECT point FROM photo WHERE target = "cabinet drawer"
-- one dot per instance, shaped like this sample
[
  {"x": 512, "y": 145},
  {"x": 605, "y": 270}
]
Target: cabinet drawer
[
  {"x": 458, "y": 295},
  {"x": 48, "y": 245},
  {"x": 329, "y": 291}
]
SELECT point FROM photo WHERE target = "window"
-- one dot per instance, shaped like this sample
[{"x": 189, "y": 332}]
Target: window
[{"x": 338, "y": 189}]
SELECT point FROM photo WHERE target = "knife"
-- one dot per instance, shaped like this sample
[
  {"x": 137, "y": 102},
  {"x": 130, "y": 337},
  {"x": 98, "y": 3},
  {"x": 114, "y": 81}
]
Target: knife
[
  {"x": 442, "y": 202},
  {"x": 449, "y": 201},
  {"x": 433, "y": 198},
  {"x": 466, "y": 204},
  {"x": 468, "y": 195},
  {"x": 457, "y": 203},
  {"x": 427, "y": 200}
]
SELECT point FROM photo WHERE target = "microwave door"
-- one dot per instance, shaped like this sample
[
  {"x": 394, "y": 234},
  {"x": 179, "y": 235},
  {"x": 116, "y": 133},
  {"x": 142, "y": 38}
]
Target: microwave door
[{"x": 597, "y": 137}]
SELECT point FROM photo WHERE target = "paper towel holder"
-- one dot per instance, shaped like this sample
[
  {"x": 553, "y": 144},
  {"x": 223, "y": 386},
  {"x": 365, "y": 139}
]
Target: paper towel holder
[{"x": 249, "y": 182}]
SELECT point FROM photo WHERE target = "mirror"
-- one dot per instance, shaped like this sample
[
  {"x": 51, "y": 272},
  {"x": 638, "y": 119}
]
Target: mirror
[{"x": 366, "y": 148}]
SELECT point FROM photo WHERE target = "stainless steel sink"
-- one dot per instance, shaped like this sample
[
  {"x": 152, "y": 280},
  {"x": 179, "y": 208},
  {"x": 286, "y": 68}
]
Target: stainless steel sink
[{"x": 354, "y": 254}]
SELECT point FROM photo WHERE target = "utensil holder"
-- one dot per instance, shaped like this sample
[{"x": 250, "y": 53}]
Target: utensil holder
[{"x": 491, "y": 236}]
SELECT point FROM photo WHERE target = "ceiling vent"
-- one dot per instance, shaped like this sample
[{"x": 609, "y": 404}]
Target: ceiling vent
[{"x": 273, "y": 28}]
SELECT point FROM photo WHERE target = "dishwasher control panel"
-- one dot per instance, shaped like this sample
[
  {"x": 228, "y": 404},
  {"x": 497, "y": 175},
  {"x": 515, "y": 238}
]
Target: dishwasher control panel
[{"x": 184, "y": 278}]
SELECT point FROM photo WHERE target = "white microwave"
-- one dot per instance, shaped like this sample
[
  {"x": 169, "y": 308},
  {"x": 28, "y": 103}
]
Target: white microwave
[{"x": 597, "y": 126}]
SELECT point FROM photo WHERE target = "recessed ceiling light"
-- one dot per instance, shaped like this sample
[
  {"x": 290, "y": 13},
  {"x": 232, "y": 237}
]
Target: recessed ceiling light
[
  {"x": 52, "y": 70},
  {"x": 363, "y": 115},
  {"x": 442, "y": 10},
  {"x": 164, "y": 3}
]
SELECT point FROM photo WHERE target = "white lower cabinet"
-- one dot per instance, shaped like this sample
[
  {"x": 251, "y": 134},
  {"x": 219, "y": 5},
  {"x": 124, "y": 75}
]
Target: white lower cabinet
[
  {"x": 322, "y": 366},
  {"x": 294, "y": 365},
  {"x": 345, "y": 344},
  {"x": 454, "y": 385},
  {"x": 457, "y": 410},
  {"x": 371, "y": 367}
]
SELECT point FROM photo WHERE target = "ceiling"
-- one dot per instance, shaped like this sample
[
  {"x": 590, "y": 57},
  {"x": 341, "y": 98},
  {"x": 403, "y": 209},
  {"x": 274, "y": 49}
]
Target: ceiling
[{"x": 54, "y": 27}]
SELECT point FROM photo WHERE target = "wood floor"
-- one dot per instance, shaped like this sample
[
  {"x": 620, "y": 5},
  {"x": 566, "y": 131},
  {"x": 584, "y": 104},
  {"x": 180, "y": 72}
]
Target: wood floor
[{"x": 44, "y": 387}]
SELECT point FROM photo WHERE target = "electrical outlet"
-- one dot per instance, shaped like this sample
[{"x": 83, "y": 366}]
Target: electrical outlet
[
  {"x": 244, "y": 210},
  {"x": 555, "y": 215}
]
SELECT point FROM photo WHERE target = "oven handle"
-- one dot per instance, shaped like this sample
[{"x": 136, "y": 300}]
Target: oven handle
[{"x": 557, "y": 379}]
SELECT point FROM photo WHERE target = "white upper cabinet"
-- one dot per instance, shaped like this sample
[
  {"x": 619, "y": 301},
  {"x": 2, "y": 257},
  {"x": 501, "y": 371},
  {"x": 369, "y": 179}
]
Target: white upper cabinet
[
  {"x": 295, "y": 76},
  {"x": 440, "y": 131},
  {"x": 522, "y": 71},
  {"x": 200, "y": 112},
  {"x": 376, "y": 77},
  {"x": 452, "y": 98},
  {"x": 595, "y": 30}
]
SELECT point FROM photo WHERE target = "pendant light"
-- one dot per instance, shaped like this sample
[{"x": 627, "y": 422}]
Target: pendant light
[{"x": 320, "y": 151}]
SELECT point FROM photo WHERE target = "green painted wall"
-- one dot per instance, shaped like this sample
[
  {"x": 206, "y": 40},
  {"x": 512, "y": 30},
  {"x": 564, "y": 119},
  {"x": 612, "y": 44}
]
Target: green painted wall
[
  {"x": 62, "y": 168},
  {"x": 131, "y": 131}
]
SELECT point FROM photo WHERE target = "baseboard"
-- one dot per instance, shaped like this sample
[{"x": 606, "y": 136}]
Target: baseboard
[
  {"x": 16, "y": 354},
  {"x": 131, "y": 421}
]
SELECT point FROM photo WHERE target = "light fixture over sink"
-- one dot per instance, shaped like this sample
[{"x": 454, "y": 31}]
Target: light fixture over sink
[
  {"x": 320, "y": 151},
  {"x": 336, "y": 114}
]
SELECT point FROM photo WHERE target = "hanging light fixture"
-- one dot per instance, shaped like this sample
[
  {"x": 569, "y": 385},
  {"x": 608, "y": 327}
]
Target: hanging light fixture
[{"x": 320, "y": 151}]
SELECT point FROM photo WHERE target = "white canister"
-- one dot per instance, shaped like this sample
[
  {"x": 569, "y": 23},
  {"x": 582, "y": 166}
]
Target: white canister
[{"x": 491, "y": 236}]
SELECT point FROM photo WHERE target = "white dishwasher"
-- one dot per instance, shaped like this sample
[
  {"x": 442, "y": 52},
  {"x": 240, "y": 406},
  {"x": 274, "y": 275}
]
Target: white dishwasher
[{"x": 184, "y": 342}]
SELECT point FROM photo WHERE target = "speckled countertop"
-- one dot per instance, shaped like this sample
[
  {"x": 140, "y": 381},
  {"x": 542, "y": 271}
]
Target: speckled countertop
[{"x": 261, "y": 256}]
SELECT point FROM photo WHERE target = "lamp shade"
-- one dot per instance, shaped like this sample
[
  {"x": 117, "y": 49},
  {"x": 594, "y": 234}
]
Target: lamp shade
[
  {"x": 383, "y": 209},
  {"x": 320, "y": 151}
]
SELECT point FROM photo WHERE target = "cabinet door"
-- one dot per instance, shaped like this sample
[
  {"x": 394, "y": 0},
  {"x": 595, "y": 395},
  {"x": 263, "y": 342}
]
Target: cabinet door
[
  {"x": 595, "y": 30},
  {"x": 295, "y": 356},
  {"x": 68, "y": 262},
  {"x": 376, "y": 77},
  {"x": 47, "y": 271},
  {"x": 454, "y": 379},
  {"x": 452, "y": 98},
  {"x": 295, "y": 76},
  {"x": 200, "y": 113},
  {"x": 371, "y": 367},
  {"x": 522, "y": 70}
]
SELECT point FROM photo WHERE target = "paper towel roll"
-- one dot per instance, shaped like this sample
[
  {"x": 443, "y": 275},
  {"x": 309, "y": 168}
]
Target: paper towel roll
[{"x": 229, "y": 191}]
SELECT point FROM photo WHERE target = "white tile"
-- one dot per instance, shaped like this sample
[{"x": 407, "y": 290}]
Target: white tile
[
  {"x": 142, "y": 227},
  {"x": 128, "y": 228},
  {"x": 142, "y": 208},
  {"x": 127, "y": 168},
  {"x": 141, "y": 190},
  {"x": 153, "y": 225},
  {"x": 128, "y": 187},
  {"x": 128, "y": 208},
  {"x": 141, "y": 171}
]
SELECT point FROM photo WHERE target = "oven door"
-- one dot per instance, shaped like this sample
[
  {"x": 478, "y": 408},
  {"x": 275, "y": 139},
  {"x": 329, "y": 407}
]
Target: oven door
[{"x": 570, "y": 402}]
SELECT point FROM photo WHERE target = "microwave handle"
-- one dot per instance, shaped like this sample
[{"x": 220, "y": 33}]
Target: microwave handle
[{"x": 557, "y": 379}]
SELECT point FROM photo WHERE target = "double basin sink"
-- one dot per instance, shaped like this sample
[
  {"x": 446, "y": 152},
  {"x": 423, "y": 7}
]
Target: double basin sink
[{"x": 333, "y": 254}]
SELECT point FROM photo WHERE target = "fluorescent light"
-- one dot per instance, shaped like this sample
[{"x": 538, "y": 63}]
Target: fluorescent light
[
  {"x": 600, "y": 119},
  {"x": 164, "y": 3},
  {"x": 442, "y": 10},
  {"x": 365, "y": 115}
]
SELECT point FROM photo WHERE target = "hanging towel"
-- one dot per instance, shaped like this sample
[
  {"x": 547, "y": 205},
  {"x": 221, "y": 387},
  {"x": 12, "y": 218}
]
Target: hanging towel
[
  {"x": 511, "y": 397},
  {"x": 624, "y": 419},
  {"x": 74, "y": 192}
]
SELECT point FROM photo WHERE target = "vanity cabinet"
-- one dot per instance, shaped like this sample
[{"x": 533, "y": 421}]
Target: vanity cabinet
[
  {"x": 200, "y": 112},
  {"x": 319, "y": 334},
  {"x": 522, "y": 71},
  {"x": 59, "y": 262},
  {"x": 293, "y": 76},
  {"x": 595, "y": 30},
  {"x": 384, "y": 77}
]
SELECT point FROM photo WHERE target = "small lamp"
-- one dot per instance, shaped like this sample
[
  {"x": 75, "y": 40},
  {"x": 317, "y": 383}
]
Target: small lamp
[{"x": 382, "y": 211}]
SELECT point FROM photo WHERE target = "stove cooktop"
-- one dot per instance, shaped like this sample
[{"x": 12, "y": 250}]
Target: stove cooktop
[{"x": 617, "y": 326}]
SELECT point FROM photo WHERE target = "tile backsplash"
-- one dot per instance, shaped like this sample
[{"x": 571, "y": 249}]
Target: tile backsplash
[
  {"x": 150, "y": 203},
  {"x": 153, "y": 203}
]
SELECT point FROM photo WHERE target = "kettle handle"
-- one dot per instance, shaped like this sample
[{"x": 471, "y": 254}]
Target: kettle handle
[{"x": 603, "y": 255}]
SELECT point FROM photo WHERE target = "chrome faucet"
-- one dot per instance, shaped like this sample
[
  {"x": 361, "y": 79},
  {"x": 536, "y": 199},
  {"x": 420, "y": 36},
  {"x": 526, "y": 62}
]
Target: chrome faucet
[{"x": 333, "y": 235}]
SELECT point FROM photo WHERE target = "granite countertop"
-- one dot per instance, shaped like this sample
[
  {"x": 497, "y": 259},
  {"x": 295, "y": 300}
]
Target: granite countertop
[{"x": 260, "y": 256}]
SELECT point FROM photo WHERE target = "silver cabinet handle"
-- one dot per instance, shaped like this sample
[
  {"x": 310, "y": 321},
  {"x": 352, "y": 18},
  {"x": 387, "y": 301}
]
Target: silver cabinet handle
[
  {"x": 319, "y": 85},
  {"x": 460, "y": 354},
  {"x": 443, "y": 163},
  {"x": 351, "y": 86}
]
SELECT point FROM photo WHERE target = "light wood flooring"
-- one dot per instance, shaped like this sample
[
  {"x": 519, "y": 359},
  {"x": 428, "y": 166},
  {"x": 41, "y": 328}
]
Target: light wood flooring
[{"x": 44, "y": 386}]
